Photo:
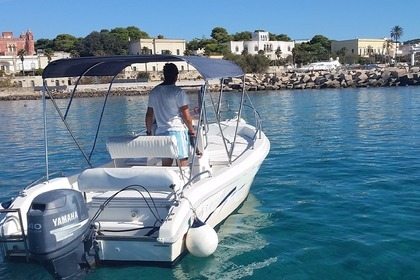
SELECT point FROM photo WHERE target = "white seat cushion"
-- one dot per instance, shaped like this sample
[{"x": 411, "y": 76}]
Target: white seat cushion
[{"x": 114, "y": 179}]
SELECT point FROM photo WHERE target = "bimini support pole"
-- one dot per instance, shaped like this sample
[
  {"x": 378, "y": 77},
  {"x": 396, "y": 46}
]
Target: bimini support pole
[{"x": 44, "y": 112}]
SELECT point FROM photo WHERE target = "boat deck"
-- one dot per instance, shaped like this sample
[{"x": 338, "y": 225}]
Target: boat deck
[{"x": 217, "y": 151}]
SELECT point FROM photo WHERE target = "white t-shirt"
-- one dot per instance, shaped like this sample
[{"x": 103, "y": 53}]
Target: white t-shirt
[{"x": 166, "y": 101}]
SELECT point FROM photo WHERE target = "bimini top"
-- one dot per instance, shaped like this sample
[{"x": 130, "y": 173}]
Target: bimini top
[{"x": 112, "y": 65}]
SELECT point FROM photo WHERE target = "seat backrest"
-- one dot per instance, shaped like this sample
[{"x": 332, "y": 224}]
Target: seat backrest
[{"x": 142, "y": 146}]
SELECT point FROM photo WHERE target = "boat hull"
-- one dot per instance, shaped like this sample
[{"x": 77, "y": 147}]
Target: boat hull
[{"x": 214, "y": 199}]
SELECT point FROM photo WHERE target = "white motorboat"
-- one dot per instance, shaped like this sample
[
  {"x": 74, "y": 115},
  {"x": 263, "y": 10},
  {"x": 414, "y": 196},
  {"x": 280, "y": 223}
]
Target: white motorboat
[
  {"x": 321, "y": 66},
  {"x": 131, "y": 208}
]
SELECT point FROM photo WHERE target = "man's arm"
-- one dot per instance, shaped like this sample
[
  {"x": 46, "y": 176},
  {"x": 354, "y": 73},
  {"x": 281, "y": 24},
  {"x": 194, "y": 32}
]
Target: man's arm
[
  {"x": 187, "y": 119},
  {"x": 149, "y": 120}
]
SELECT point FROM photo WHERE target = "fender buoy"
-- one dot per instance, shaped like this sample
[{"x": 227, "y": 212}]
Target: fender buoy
[{"x": 201, "y": 239}]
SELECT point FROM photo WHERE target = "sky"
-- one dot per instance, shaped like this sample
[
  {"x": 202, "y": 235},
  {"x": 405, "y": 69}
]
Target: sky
[{"x": 298, "y": 19}]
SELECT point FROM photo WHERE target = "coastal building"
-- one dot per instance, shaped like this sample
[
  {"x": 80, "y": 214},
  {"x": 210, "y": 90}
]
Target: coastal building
[
  {"x": 10, "y": 46},
  {"x": 261, "y": 42},
  {"x": 10, "y": 64},
  {"x": 364, "y": 47},
  {"x": 410, "y": 50},
  {"x": 10, "y": 61},
  {"x": 157, "y": 46}
]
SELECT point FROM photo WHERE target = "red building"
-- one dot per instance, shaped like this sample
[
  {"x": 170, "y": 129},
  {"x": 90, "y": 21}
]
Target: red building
[{"x": 10, "y": 46}]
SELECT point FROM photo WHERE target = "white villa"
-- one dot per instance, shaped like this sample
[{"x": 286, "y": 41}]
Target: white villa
[
  {"x": 261, "y": 42},
  {"x": 157, "y": 46}
]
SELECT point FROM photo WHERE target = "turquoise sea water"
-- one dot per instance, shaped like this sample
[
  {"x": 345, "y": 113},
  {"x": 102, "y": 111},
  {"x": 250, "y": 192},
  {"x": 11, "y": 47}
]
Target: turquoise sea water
[{"x": 337, "y": 197}]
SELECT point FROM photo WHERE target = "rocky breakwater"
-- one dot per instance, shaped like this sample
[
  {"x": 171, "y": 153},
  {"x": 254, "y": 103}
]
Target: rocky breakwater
[{"x": 379, "y": 77}]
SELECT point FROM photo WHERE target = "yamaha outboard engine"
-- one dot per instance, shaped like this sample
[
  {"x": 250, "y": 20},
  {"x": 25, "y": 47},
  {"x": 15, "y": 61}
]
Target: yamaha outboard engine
[{"x": 58, "y": 223}]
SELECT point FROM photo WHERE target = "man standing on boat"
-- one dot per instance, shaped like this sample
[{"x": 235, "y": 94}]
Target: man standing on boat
[{"x": 168, "y": 105}]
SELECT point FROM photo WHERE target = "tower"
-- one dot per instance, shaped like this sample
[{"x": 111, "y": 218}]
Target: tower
[{"x": 29, "y": 43}]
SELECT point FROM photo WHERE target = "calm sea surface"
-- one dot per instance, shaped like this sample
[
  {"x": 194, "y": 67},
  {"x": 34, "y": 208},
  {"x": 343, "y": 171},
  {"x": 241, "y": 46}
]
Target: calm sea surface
[{"x": 337, "y": 198}]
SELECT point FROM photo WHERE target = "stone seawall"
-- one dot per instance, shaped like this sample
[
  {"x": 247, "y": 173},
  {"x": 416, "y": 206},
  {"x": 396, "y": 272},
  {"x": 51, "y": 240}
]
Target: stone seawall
[{"x": 380, "y": 77}]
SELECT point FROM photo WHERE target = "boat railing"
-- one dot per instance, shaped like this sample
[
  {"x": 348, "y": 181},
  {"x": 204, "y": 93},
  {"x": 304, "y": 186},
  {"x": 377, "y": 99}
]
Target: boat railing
[
  {"x": 192, "y": 179},
  {"x": 257, "y": 120},
  {"x": 42, "y": 178}
]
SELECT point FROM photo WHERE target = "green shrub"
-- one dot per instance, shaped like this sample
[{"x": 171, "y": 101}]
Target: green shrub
[
  {"x": 5, "y": 82},
  {"x": 143, "y": 75}
]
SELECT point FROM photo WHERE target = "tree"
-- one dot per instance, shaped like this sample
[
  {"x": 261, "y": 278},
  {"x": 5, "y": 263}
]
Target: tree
[
  {"x": 322, "y": 40},
  {"x": 280, "y": 37},
  {"x": 21, "y": 53},
  {"x": 387, "y": 46},
  {"x": 119, "y": 32},
  {"x": 318, "y": 49},
  {"x": 220, "y": 35},
  {"x": 48, "y": 53},
  {"x": 193, "y": 46},
  {"x": 91, "y": 44},
  {"x": 242, "y": 36},
  {"x": 145, "y": 50},
  {"x": 278, "y": 54},
  {"x": 42, "y": 44},
  {"x": 396, "y": 33},
  {"x": 135, "y": 33},
  {"x": 342, "y": 54},
  {"x": 104, "y": 43},
  {"x": 211, "y": 48},
  {"x": 250, "y": 63},
  {"x": 283, "y": 37},
  {"x": 370, "y": 53},
  {"x": 65, "y": 43},
  {"x": 74, "y": 53}
]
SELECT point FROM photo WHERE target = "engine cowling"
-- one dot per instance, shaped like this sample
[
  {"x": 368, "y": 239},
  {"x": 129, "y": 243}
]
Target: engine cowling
[{"x": 58, "y": 223}]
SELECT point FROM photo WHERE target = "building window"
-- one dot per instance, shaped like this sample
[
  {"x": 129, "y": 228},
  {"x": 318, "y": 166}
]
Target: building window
[
  {"x": 256, "y": 48},
  {"x": 236, "y": 49},
  {"x": 166, "y": 52},
  {"x": 178, "y": 52}
]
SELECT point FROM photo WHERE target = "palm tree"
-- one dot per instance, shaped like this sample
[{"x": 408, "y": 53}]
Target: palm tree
[
  {"x": 396, "y": 33},
  {"x": 278, "y": 54},
  {"x": 370, "y": 53},
  {"x": 21, "y": 53},
  {"x": 387, "y": 46},
  {"x": 145, "y": 50}
]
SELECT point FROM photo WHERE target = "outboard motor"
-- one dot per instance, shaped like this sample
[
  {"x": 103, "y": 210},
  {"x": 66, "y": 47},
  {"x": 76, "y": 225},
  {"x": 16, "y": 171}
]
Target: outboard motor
[{"x": 58, "y": 223}]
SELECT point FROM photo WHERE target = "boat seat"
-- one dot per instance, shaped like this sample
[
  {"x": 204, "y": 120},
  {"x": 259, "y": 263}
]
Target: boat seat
[
  {"x": 131, "y": 147},
  {"x": 114, "y": 179}
]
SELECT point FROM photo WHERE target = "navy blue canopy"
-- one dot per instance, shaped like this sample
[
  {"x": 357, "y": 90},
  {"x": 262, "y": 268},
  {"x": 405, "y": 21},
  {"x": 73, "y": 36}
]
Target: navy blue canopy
[{"x": 112, "y": 65}]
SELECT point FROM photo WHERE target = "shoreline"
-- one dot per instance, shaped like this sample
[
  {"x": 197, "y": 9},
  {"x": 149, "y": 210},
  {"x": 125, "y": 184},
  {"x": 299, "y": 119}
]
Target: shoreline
[{"x": 380, "y": 77}]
